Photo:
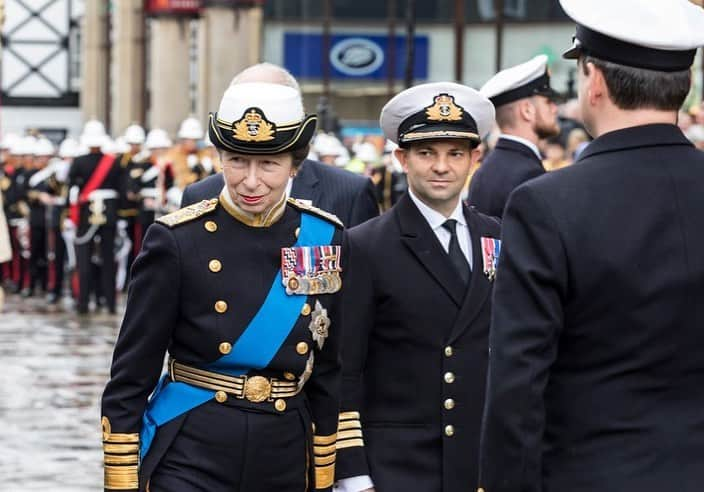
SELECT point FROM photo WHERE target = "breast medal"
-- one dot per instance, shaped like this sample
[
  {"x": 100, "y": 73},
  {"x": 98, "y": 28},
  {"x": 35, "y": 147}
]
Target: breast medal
[
  {"x": 311, "y": 270},
  {"x": 490, "y": 255}
]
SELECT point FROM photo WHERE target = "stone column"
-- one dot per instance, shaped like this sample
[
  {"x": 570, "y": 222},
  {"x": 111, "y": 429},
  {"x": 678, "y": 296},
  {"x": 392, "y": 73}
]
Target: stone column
[
  {"x": 229, "y": 40},
  {"x": 169, "y": 77},
  {"x": 128, "y": 65},
  {"x": 94, "y": 85}
]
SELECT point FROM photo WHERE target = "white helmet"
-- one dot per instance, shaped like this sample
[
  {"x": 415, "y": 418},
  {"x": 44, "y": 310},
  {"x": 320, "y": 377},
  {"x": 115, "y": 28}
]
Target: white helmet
[
  {"x": 68, "y": 148},
  {"x": 366, "y": 152},
  {"x": 191, "y": 129},
  {"x": 157, "y": 139},
  {"x": 44, "y": 147},
  {"x": 121, "y": 146},
  {"x": 93, "y": 134},
  {"x": 23, "y": 146},
  {"x": 8, "y": 140},
  {"x": 108, "y": 146},
  {"x": 134, "y": 134},
  {"x": 327, "y": 145}
]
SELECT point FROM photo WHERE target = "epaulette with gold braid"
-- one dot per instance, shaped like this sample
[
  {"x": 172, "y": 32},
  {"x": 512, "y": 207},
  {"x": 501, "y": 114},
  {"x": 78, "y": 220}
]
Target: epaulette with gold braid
[
  {"x": 306, "y": 207},
  {"x": 189, "y": 213}
]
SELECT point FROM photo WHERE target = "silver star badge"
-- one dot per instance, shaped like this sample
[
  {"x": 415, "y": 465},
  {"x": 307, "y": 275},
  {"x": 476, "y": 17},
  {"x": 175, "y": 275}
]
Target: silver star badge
[{"x": 319, "y": 324}]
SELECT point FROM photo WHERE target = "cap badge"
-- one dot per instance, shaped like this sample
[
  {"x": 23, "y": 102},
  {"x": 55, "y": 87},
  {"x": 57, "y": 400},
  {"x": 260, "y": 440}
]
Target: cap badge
[
  {"x": 253, "y": 127},
  {"x": 444, "y": 109}
]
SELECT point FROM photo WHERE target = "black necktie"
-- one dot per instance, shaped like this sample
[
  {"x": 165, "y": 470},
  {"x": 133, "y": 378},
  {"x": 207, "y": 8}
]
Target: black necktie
[{"x": 456, "y": 255}]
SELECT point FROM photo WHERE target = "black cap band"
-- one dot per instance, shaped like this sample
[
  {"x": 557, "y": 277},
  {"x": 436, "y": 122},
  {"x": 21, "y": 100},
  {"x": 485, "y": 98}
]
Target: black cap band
[
  {"x": 537, "y": 87},
  {"x": 418, "y": 124},
  {"x": 631, "y": 55}
]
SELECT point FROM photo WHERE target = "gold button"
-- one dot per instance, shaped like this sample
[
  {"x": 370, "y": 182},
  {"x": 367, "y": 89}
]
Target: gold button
[
  {"x": 449, "y": 430},
  {"x": 298, "y": 231},
  {"x": 221, "y": 397},
  {"x": 305, "y": 311},
  {"x": 225, "y": 348},
  {"x": 215, "y": 266},
  {"x": 302, "y": 348},
  {"x": 210, "y": 226},
  {"x": 289, "y": 376},
  {"x": 448, "y": 351},
  {"x": 449, "y": 404},
  {"x": 480, "y": 489},
  {"x": 221, "y": 306},
  {"x": 449, "y": 378},
  {"x": 280, "y": 405}
]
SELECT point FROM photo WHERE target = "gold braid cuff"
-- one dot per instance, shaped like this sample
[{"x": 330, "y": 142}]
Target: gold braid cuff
[
  {"x": 349, "y": 431},
  {"x": 325, "y": 452},
  {"x": 121, "y": 459}
]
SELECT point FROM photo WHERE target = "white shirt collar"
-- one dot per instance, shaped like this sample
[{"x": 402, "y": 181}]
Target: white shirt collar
[
  {"x": 523, "y": 141},
  {"x": 435, "y": 218}
]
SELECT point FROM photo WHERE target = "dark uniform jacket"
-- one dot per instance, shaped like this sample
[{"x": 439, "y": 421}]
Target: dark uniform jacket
[
  {"x": 80, "y": 172},
  {"x": 349, "y": 196},
  {"x": 507, "y": 166},
  {"x": 414, "y": 355},
  {"x": 596, "y": 367},
  {"x": 195, "y": 287}
]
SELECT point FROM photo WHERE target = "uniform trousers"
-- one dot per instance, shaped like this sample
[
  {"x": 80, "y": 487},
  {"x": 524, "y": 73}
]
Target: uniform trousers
[
  {"x": 222, "y": 448},
  {"x": 104, "y": 284}
]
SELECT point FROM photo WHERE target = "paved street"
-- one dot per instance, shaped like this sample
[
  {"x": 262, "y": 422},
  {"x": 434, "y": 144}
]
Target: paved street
[{"x": 54, "y": 367}]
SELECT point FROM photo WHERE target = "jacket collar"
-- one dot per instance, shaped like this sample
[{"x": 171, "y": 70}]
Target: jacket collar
[
  {"x": 513, "y": 146},
  {"x": 635, "y": 137}
]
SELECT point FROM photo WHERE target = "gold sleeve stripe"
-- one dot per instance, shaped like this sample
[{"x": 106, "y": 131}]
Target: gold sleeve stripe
[
  {"x": 350, "y": 424},
  {"x": 324, "y": 460},
  {"x": 324, "y": 476},
  {"x": 324, "y": 440},
  {"x": 323, "y": 450},
  {"x": 121, "y": 448},
  {"x": 349, "y": 434},
  {"x": 122, "y": 438},
  {"x": 349, "y": 415},
  {"x": 121, "y": 477},
  {"x": 350, "y": 443},
  {"x": 121, "y": 459}
]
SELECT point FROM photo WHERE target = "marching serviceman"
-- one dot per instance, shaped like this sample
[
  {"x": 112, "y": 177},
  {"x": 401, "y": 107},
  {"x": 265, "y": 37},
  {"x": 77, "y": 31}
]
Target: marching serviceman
[
  {"x": 243, "y": 291},
  {"x": 419, "y": 280},
  {"x": 526, "y": 113},
  {"x": 37, "y": 199},
  {"x": 190, "y": 165},
  {"x": 134, "y": 137},
  {"x": 94, "y": 184},
  {"x": 7, "y": 160},
  {"x": 18, "y": 211},
  {"x": 596, "y": 367}
]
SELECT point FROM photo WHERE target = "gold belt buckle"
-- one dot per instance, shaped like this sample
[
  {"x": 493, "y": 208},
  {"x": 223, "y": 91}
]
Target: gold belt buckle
[{"x": 257, "y": 389}]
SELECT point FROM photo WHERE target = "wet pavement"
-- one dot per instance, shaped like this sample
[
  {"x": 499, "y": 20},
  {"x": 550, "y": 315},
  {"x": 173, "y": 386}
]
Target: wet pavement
[{"x": 53, "y": 370}]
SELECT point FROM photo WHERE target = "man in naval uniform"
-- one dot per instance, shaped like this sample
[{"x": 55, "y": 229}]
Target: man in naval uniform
[
  {"x": 595, "y": 367},
  {"x": 525, "y": 113},
  {"x": 419, "y": 280}
]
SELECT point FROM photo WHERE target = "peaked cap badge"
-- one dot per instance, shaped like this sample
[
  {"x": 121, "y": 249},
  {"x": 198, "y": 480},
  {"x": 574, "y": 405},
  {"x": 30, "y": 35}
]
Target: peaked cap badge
[
  {"x": 253, "y": 127},
  {"x": 444, "y": 109}
]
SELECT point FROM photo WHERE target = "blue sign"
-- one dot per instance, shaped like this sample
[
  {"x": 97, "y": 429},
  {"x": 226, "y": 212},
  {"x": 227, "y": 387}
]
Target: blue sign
[{"x": 352, "y": 56}]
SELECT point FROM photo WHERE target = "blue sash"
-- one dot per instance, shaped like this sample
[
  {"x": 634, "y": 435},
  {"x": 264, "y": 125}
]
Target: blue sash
[{"x": 254, "y": 349}]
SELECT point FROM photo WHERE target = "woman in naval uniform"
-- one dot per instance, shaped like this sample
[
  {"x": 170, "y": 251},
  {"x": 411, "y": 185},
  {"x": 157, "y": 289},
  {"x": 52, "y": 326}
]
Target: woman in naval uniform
[{"x": 242, "y": 291}]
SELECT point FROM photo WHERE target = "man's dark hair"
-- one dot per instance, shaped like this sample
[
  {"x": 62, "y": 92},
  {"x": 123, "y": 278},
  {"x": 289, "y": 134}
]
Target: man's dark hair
[{"x": 638, "y": 88}]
